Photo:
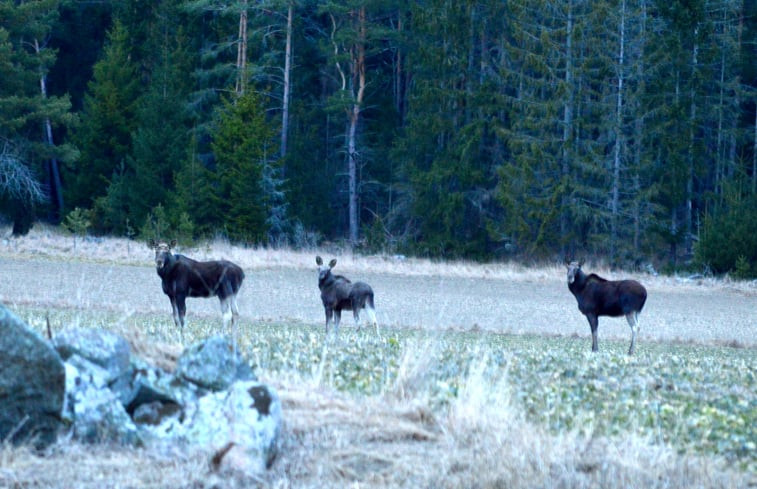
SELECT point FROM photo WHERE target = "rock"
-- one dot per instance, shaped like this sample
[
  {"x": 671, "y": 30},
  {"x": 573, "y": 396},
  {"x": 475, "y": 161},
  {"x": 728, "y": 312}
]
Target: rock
[
  {"x": 246, "y": 417},
  {"x": 100, "y": 347},
  {"x": 213, "y": 364},
  {"x": 32, "y": 384},
  {"x": 94, "y": 411},
  {"x": 211, "y": 403}
]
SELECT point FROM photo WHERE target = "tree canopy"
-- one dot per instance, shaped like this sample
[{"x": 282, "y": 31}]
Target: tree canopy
[{"x": 620, "y": 129}]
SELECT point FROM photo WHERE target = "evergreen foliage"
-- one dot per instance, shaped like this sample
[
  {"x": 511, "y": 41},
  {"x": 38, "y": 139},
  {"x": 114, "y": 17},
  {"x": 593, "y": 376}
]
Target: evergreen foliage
[
  {"x": 728, "y": 242},
  {"x": 108, "y": 119},
  {"x": 28, "y": 114},
  {"x": 620, "y": 129},
  {"x": 239, "y": 143}
]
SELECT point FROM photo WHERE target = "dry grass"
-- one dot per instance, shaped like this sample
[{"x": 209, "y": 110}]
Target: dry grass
[
  {"x": 49, "y": 242},
  {"x": 390, "y": 441}
]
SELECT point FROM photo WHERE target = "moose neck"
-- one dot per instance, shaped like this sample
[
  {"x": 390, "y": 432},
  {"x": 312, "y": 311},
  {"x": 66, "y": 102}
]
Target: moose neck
[
  {"x": 326, "y": 280},
  {"x": 579, "y": 282},
  {"x": 168, "y": 263}
]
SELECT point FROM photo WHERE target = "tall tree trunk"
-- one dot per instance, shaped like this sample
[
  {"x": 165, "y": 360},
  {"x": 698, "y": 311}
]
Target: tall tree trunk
[
  {"x": 56, "y": 189},
  {"x": 287, "y": 70},
  {"x": 358, "y": 89},
  {"x": 639, "y": 134},
  {"x": 615, "y": 202},
  {"x": 399, "y": 91},
  {"x": 689, "y": 216},
  {"x": 754, "y": 156},
  {"x": 567, "y": 124},
  {"x": 242, "y": 50}
]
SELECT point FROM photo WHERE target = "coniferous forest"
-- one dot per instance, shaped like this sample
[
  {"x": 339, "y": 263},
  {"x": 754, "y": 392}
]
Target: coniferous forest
[{"x": 483, "y": 129}]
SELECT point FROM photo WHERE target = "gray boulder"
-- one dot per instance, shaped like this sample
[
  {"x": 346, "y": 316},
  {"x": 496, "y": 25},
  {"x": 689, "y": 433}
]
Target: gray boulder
[
  {"x": 94, "y": 411},
  {"x": 99, "y": 346},
  {"x": 32, "y": 384},
  {"x": 245, "y": 418},
  {"x": 213, "y": 364}
]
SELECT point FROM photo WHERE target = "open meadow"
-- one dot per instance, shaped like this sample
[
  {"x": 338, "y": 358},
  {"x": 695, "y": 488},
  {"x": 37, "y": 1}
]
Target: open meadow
[{"x": 482, "y": 374}]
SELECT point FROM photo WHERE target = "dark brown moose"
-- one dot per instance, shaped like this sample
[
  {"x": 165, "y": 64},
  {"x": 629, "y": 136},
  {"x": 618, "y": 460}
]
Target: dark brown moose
[
  {"x": 184, "y": 277},
  {"x": 597, "y": 296},
  {"x": 338, "y": 293}
]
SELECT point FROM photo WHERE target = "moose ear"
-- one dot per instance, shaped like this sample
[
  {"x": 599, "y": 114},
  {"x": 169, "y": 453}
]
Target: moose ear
[
  {"x": 152, "y": 244},
  {"x": 581, "y": 263},
  {"x": 318, "y": 261},
  {"x": 172, "y": 244},
  {"x": 332, "y": 263}
]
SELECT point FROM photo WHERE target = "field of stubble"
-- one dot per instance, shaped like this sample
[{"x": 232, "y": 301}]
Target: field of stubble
[{"x": 481, "y": 376}]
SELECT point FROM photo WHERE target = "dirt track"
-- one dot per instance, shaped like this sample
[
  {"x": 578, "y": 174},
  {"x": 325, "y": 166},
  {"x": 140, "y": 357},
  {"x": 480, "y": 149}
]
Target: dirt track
[{"x": 284, "y": 294}]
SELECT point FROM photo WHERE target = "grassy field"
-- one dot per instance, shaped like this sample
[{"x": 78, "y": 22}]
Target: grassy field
[
  {"x": 692, "y": 403},
  {"x": 427, "y": 406}
]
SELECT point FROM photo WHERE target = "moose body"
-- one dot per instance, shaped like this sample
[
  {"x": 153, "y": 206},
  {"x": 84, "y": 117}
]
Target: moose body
[
  {"x": 184, "y": 277},
  {"x": 597, "y": 296},
  {"x": 338, "y": 293}
]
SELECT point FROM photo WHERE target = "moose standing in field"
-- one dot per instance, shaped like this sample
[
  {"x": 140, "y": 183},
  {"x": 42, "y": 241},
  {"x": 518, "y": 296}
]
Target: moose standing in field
[
  {"x": 597, "y": 296},
  {"x": 184, "y": 277},
  {"x": 338, "y": 293}
]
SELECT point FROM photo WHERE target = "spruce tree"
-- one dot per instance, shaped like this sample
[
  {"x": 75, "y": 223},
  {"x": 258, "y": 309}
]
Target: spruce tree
[
  {"x": 108, "y": 119},
  {"x": 239, "y": 146}
]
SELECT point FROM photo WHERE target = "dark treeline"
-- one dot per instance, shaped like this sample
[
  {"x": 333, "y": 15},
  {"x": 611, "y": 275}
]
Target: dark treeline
[{"x": 489, "y": 129}]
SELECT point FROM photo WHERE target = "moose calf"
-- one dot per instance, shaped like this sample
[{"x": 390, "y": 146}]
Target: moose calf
[
  {"x": 184, "y": 277},
  {"x": 597, "y": 296},
  {"x": 338, "y": 293}
]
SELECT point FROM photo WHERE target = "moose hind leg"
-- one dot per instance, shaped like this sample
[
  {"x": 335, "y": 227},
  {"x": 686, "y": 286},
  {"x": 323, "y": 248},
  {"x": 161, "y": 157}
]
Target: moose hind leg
[
  {"x": 633, "y": 322},
  {"x": 356, "y": 315},
  {"x": 226, "y": 313},
  {"x": 372, "y": 317}
]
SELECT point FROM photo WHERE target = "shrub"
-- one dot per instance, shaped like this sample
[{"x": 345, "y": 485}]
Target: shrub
[{"x": 729, "y": 240}]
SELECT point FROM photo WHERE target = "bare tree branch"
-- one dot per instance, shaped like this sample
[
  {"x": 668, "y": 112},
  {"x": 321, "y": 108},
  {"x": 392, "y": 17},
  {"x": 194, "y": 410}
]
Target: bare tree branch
[{"x": 16, "y": 179}]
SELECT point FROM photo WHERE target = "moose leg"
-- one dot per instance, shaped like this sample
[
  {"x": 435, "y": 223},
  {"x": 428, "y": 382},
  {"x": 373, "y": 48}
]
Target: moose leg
[
  {"x": 226, "y": 312},
  {"x": 633, "y": 322},
  {"x": 181, "y": 309},
  {"x": 594, "y": 324},
  {"x": 372, "y": 318},
  {"x": 329, "y": 314},
  {"x": 356, "y": 315},
  {"x": 234, "y": 313},
  {"x": 337, "y": 319},
  {"x": 175, "y": 312}
]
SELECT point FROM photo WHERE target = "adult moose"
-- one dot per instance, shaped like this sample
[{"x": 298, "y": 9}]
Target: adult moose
[
  {"x": 184, "y": 277},
  {"x": 597, "y": 296},
  {"x": 338, "y": 293}
]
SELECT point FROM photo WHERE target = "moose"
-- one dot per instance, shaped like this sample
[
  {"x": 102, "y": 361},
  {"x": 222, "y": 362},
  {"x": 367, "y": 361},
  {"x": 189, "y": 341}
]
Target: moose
[
  {"x": 597, "y": 296},
  {"x": 184, "y": 277},
  {"x": 337, "y": 293}
]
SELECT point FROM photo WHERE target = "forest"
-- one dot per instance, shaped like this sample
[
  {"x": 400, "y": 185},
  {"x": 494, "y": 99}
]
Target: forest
[{"x": 622, "y": 130}]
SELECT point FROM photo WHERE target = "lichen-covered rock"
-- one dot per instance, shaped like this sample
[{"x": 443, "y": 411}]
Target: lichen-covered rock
[
  {"x": 247, "y": 416},
  {"x": 94, "y": 411},
  {"x": 32, "y": 384},
  {"x": 104, "y": 348},
  {"x": 213, "y": 364}
]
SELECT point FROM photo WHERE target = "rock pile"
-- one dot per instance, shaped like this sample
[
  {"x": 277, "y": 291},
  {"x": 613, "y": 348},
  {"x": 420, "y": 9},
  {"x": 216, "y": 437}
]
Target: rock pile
[{"x": 88, "y": 384}]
